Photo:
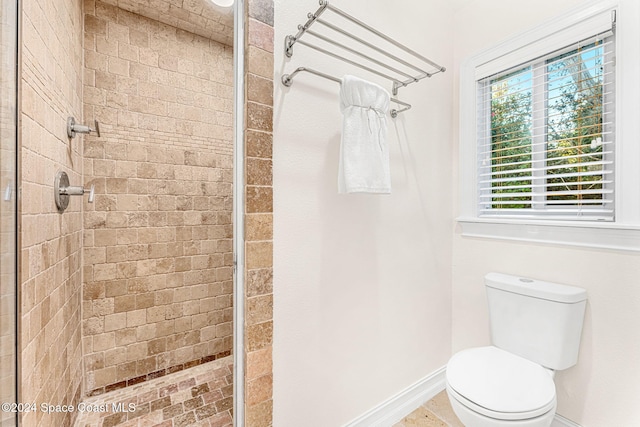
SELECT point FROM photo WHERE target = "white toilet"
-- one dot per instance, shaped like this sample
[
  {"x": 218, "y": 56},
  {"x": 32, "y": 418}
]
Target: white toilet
[{"x": 535, "y": 330}]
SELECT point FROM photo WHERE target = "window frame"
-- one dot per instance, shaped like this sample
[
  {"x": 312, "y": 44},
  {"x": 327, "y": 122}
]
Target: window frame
[
  {"x": 539, "y": 89},
  {"x": 623, "y": 233}
]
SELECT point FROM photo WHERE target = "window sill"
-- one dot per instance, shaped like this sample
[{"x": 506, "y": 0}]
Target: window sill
[{"x": 598, "y": 235}]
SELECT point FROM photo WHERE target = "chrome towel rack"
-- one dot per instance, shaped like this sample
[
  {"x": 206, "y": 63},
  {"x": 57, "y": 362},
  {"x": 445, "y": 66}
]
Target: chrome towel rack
[
  {"x": 287, "y": 80},
  {"x": 397, "y": 63}
]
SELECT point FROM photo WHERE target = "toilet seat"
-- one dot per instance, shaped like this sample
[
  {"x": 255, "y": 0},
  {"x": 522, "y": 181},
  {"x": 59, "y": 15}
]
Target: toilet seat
[
  {"x": 502, "y": 416},
  {"x": 499, "y": 384}
]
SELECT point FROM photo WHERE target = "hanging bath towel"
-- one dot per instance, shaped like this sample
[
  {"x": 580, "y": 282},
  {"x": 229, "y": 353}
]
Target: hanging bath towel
[{"x": 364, "y": 155}]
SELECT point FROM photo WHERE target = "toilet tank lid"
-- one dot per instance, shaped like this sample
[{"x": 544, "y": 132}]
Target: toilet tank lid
[{"x": 536, "y": 288}]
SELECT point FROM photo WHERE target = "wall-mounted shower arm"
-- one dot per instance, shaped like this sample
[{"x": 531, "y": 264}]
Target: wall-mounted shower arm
[
  {"x": 287, "y": 80},
  {"x": 73, "y": 128}
]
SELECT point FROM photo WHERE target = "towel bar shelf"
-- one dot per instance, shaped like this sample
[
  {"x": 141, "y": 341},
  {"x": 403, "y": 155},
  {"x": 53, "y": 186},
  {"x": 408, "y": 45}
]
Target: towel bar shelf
[{"x": 398, "y": 63}]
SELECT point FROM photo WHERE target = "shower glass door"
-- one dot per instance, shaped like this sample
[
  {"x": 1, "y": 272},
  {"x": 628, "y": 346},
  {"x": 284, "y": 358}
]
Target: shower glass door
[{"x": 8, "y": 48}]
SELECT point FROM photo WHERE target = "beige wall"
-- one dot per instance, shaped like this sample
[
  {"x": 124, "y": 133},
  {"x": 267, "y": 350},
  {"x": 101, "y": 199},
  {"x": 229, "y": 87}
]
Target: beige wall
[
  {"x": 362, "y": 282},
  {"x": 157, "y": 241},
  {"x": 602, "y": 389},
  {"x": 51, "y": 244}
]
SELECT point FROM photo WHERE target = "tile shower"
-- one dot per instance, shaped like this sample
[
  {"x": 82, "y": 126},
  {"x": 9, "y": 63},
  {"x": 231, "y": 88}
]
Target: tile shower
[
  {"x": 85, "y": 319},
  {"x": 157, "y": 291},
  {"x": 138, "y": 284}
]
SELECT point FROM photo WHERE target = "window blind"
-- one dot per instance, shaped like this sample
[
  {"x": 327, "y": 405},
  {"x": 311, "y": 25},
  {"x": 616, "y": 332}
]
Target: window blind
[{"x": 546, "y": 135}]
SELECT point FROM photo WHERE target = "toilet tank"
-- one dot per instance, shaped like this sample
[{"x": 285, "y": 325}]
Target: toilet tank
[{"x": 540, "y": 321}]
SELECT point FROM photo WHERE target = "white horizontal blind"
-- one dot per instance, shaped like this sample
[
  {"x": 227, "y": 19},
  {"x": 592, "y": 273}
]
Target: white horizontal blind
[
  {"x": 560, "y": 34},
  {"x": 546, "y": 135}
]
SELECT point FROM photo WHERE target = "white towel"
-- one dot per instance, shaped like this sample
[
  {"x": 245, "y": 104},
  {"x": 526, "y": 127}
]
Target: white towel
[{"x": 364, "y": 155}]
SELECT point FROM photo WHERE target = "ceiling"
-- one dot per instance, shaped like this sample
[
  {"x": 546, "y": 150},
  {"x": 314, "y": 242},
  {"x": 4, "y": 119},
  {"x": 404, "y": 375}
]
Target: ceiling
[{"x": 200, "y": 17}]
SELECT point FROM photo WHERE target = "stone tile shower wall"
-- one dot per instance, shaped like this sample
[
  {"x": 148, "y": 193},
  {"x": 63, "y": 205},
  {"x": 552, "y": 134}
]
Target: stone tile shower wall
[
  {"x": 158, "y": 257},
  {"x": 259, "y": 214},
  {"x": 50, "y": 243}
]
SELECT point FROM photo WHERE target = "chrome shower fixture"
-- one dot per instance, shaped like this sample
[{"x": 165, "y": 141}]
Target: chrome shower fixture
[
  {"x": 73, "y": 128},
  {"x": 62, "y": 190}
]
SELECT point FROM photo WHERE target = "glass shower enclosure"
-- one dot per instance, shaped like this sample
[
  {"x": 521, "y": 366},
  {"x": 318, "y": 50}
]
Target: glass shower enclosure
[{"x": 8, "y": 62}]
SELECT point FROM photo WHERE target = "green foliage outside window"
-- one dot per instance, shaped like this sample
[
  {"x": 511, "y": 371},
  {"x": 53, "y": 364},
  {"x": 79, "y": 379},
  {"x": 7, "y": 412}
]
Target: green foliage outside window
[{"x": 572, "y": 115}]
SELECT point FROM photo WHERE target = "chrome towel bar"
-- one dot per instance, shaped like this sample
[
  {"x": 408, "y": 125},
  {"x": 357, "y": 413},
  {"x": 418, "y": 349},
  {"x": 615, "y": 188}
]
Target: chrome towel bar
[
  {"x": 287, "y": 80},
  {"x": 400, "y": 64}
]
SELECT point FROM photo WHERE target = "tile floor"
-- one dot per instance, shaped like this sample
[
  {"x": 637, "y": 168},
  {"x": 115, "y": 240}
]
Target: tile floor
[
  {"x": 202, "y": 397},
  {"x": 435, "y": 413},
  {"x": 199, "y": 396}
]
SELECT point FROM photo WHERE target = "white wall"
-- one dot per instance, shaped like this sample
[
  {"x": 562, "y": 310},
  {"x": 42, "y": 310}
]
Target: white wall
[
  {"x": 603, "y": 388},
  {"x": 362, "y": 283}
]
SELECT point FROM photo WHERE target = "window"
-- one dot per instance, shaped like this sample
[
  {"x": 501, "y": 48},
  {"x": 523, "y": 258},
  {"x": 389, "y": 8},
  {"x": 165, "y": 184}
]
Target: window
[
  {"x": 546, "y": 135},
  {"x": 550, "y": 132}
]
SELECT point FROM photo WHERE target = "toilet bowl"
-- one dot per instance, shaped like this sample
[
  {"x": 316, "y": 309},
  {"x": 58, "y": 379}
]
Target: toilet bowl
[
  {"x": 535, "y": 329},
  {"x": 489, "y": 387},
  {"x": 472, "y": 418}
]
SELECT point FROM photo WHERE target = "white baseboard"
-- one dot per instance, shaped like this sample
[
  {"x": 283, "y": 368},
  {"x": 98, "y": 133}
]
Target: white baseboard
[
  {"x": 560, "y": 421},
  {"x": 402, "y": 404},
  {"x": 408, "y": 400}
]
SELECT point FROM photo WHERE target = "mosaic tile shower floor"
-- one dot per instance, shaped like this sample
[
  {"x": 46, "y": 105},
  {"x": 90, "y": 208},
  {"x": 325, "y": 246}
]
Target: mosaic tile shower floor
[{"x": 201, "y": 396}]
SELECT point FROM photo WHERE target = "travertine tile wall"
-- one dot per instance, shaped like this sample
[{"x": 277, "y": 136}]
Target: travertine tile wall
[
  {"x": 200, "y": 17},
  {"x": 8, "y": 31},
  {"x": 51, "y": 243},
  {"x": 259, "y": 215},
  {"x": 158, "y": 239}
]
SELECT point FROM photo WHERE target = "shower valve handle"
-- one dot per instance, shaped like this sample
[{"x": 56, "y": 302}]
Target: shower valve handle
[
  {"x": 72, "y": 190},
  {"x": 62, "y": 191}
]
